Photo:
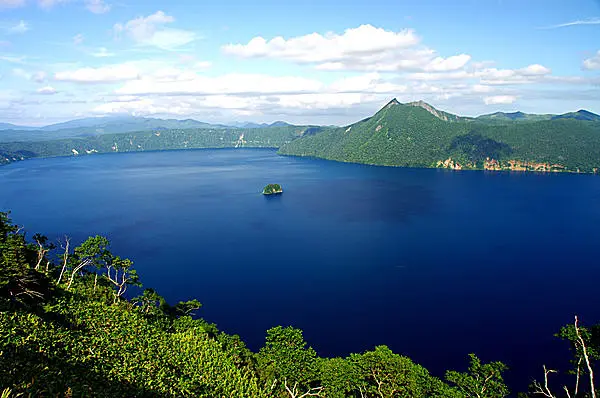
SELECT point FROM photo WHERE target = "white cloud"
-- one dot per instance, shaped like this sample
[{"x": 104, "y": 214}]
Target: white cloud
[
  {"x": 202, "y": 64},
  {"x": 592, "y": 63},
  {"x": 48, "y": 90},
  {"x": 500, "y": 99},
  {"x": 20, "y": 27},
  {"x": 491, "y": 76},
  {"x": 78, "y": 39},
  {"x": 534, "y": 70},
  {"x": 11, "y": 3},
  {"x": 97, "y": 6},
  {"x": 187, "y": 83},
  {"x": 589, "y": 21},
  {"x": 365, "y": 48},
  {"x": 316, "y": 48},
  {"x": 440, "y": 64},
  {"x": 105, "y": 74},
  {"x": 102, "y": 52},
  {"x": 480, "y": 88},
  {"x": 530, "y": 74},
  {"x": 367, "y": 83},
  {"x": 150, "y": 31}
]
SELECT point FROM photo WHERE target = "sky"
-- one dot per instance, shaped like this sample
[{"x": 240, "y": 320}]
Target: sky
[{"x": 305, "y": 62}]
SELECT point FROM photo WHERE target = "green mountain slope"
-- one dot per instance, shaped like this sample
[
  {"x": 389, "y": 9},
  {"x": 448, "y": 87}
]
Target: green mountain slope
[
  {"x": 409, "y": 135},
  {"x": 397, "y": 135}
]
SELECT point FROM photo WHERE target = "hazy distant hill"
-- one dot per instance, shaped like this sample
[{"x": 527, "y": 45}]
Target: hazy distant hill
[
  {"x": 418, "y": 135},
  {"x": 99, "y": 125},
  {"x": 9, "y": 126},
  {"x": 250, "y": 125},
  {"x": 111, "y": 125},
  {"x": 579, "y": 115},
  {"x": 513, "y": 116}
]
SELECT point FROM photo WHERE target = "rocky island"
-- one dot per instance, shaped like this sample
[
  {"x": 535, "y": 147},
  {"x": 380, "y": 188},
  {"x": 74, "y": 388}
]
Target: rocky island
[{"x": 272, "y": 189}]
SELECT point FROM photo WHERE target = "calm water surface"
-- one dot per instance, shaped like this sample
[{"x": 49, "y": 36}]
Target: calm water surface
[{"x": 434, "y": 264}]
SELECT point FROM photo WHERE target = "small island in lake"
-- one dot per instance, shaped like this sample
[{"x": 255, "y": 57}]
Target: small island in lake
[{"x": 272, "y": 189}]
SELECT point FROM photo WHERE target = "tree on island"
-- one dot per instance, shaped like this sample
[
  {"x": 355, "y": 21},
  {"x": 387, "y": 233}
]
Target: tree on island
[{"x": 271, "y": 189}]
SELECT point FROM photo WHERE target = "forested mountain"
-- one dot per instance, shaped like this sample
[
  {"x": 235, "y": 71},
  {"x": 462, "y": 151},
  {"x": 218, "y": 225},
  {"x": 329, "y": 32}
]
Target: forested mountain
[
  {"x": 581, "y": 114},
  {"x": 414, "y": 134},
  {"x": 418, "y": 135},
  {"x": 156, "y": 139},
  {"x": 69, "y": 328}
]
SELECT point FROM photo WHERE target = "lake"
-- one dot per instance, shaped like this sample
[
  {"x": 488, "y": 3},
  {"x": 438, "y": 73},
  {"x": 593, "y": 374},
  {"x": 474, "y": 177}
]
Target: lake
[{"x": 433, "y": 263}]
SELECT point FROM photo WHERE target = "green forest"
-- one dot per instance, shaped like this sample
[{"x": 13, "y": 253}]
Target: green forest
[
  {"x": 152, "y": 140},
  {"x": 71, "y": 326},
  {"x": 413, "y": 136}
]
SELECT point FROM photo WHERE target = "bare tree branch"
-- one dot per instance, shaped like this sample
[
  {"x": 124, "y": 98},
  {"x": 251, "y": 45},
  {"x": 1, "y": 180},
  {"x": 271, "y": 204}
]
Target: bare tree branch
[
  {"x": 312, "y": 392},
  {"x": 545, "y": 390},
  {"x": 587, "y": 359},
  {"x": 79, "y": 266},
  {"x": 65, "y": 258}
]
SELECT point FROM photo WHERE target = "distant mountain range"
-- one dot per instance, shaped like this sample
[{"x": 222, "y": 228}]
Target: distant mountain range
[
  {"x": 528, "y": 117},
  {"x": 248, "y": 125},
  {"x": 414, "y": 134},
  {"x": 110, "y": 125}
]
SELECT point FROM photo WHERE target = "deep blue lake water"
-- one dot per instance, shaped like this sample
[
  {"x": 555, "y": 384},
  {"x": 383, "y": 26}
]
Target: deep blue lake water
[{"x": 435, "y": 264}]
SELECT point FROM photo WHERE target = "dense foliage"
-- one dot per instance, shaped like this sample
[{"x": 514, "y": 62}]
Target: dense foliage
[
  {"x": 402, "y": 135},
  {"x": 67, "y": 329},
  {"x": 271, "y": 189}
]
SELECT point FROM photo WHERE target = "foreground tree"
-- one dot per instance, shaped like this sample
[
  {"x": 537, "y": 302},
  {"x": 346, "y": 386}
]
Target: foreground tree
[
  {"x": 287, "y": 366},
  {"x": 585, "y": 347},
  {"x": 481, "y": 380}
]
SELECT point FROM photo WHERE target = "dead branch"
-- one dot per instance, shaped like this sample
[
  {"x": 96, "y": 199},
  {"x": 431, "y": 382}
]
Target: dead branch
[
  {"x": 587, "y": 359},
  {"x": 545, "y": 390},
  {"x": 120, "y": 284},
  {"x": 41, "y": 253},
  {"x": 312, "y": 392},
  {"x": 79, "y": 266},
  {"x": 65, "y": 258}
]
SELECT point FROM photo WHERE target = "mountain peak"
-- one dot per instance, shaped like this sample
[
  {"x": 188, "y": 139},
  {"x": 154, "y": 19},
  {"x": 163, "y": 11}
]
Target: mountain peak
[
  {"x": 581, "y": 114},
  {"x": 439, "y": 114},
  {"x": 393, "y": 102}
]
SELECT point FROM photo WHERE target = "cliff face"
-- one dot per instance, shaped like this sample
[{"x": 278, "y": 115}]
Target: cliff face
[{"x": 509, "y": 165}]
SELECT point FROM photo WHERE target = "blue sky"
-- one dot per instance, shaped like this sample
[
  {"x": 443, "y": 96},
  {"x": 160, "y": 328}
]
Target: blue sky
[{"x": 325, "y": 61}]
